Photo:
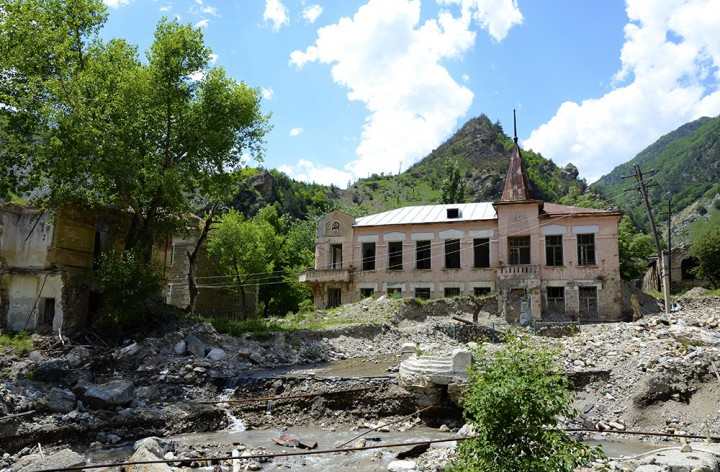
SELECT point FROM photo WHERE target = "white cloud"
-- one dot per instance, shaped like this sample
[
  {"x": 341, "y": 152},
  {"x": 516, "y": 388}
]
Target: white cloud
[
  {"x": 277, "y": 13},
  {"x": 165, "y": 8},
  {"x": 312, "y": 13},
  {"x": 197, "y": 76},
  {"x": 669, "y": 75},
  {"x": 296, "y": 132},
  {"x": 202, "y": 24},
  {"x": 116, "y": 3},
  {"x": 495, "y": 16},
  {"x": 213, "y": 58},
  {"x": 267, "y": 93},
  {"x": 392, "y": 64},
  {"x": 307, "y": 171},
  {"x": 210, "y": 10}
]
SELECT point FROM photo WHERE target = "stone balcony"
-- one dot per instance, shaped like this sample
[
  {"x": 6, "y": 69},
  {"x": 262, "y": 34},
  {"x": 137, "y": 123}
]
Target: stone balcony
[
  {"x": 518, "y": 272},
  {"x": 325, "y": 275}
]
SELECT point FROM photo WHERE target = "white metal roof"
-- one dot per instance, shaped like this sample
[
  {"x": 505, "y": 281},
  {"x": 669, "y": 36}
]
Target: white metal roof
[{"x": 429, "y": 214}]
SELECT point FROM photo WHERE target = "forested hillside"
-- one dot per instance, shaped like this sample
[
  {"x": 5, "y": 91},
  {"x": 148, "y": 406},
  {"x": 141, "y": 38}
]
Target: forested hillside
[{"x": 683, "y": 168}]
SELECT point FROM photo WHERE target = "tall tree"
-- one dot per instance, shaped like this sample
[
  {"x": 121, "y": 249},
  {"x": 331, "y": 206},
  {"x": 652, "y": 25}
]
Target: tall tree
[
  {"x": 88, "y": 122},
  {"x": 452, "y": 189},
  {"x": 245, "y": 251}
]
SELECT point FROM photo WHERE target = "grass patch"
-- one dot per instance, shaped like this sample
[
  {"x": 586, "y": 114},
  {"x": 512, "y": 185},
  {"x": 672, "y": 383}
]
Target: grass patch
[
  {"x": 18, "y": 343},
  {"x": 261, "y": 329}
]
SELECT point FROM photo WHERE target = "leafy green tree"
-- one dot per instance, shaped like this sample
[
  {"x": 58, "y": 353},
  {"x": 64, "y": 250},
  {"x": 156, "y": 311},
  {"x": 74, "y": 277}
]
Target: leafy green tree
[
  {"x": 245, "y": 251},
  {"x": 635, "y": 248},
  {"x": 452, "y": 189},
  {"x": 90, "y": 123},
  {"x": 514, "y": 399},
  {"x": 705, "y": 247}
]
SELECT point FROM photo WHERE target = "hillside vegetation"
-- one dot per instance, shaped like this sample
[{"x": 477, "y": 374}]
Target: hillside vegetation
[
  {"x": 686, "y": 165},
  {"x": 481, "y": 151}
]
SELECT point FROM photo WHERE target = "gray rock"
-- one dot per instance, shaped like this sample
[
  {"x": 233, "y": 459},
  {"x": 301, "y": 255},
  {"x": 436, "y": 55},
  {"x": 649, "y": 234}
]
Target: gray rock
[
  {"x": 62, "y": 459},
  {"x": 60, "y": 400},
  {"x": 181, "y": 348},
  {"x": 147, "y": 450},
  {"x": 77, "y": 357},
  {"x": 676, "y": 461},
  {"x": 195, "y": 346},
  {"x": 112, "y": 394},
  {"x": 150, "y": 392},
  {"x": 216, "y": 354}
]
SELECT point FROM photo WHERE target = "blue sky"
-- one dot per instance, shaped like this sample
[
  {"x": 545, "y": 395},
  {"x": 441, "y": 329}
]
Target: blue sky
[{"x": 357, "y": 87}]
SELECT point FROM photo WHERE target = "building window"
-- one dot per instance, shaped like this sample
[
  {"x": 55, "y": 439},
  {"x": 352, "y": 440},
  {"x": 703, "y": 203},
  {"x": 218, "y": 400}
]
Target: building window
[
  {"x": 395, "y": 292},
  {"x": 423, "y": 255},
  {"x": 556, "y": 299},
  {"x": 588, "y": 302},
  {"x": 334, "y": 297},
  {"x": 368, "y": 254},
  {"x": 422, "y": 292},
  {"x": 481, "y": 253},
  {"x": 519, "y": 250},
  {"x": 367, "y": 292},
  {"x": 586, "y": 249},
  {"x": 453, "y": 213},
  {"x": 553, "y": 250},
  {"x": 452, "y": 292},
  {"x": 336, "y": 256},
  {"x": 481, "y": 291},
  {"x": 452, "y": 254},
  {"x": 395, "y": 250},
  {"x": 687, "y": 268}
]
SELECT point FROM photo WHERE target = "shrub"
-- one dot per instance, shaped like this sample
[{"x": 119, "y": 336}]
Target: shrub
[
  {"x": 706, "y": 248},
  {"x": 128, "y": 285},
  {"x": 514, "y": 399}
]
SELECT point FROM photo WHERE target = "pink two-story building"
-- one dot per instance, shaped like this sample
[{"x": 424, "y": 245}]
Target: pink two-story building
[{"x": 544, "y": 261}]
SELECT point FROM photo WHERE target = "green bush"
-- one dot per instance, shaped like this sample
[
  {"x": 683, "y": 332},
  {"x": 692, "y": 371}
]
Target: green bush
[
  {"x": 129, "y": 285},
  {"x": 514, "y": 400},
  {"x": 19, "y": 343},
  {"x": 706, "y": 248}
]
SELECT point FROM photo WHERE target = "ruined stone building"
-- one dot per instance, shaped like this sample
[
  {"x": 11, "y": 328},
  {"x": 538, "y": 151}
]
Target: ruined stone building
[
  {"x": 544, "y": 261},
  {"x": 48, "y": 263}
]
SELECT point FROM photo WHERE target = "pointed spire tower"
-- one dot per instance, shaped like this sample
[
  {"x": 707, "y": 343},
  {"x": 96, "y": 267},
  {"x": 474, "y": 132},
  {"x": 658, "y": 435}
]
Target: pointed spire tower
[{"x": 517, "y": 184}]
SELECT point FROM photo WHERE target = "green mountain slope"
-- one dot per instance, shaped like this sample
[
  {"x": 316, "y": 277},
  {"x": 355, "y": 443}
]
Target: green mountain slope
[{"x": 686, "y": 165}]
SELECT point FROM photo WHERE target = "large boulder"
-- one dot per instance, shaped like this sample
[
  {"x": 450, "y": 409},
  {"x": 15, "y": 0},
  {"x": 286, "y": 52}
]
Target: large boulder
[
  {"x": 59, "y": 400},
  {"x": 112, "y": 394},
  {"x": 62, "y": 459},
  {"x": 195, "y": 346}
]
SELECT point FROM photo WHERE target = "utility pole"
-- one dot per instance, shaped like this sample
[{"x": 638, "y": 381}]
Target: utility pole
[
  {"x": 669, "y": 240},
  {"x": 662, "y": 257}
]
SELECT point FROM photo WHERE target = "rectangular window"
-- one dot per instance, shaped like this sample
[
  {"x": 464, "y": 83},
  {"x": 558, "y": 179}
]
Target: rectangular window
[
  {"x": 368, "y": 256},
  {"x": 556, "y": 300},
  {"x": 519, "y": 250},
  {"x": 367, "y": 292},
  {"x": 553, "y": 250},
  {"x": 334, "y": 297},
  {"x": 395, "y": 253},
  {"x": 394, "y": 292},
  {"x": 481, "y": 252},
  {"x": 422, "y": 255},
  {"x": 586, "y": 249},
  {"x": 422, "y": 292},
  {"x": 481, "y": 291},
  {"x": 336, "y": 256},
  {"x": 47, "y": 310},
  {"x": 452, "y": 254},
  {"x": 452, "y": 292},
  {"x": 588, "y": 302}
]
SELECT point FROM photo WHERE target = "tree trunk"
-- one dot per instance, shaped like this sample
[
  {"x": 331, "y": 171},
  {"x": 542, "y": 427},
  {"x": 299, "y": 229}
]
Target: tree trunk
[{"x": 192, "y": 259}]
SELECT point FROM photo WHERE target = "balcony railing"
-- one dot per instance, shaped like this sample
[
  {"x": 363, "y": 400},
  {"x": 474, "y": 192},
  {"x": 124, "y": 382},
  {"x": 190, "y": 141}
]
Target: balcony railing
[
  {"x": 325, "y": 275},
  {"x": 524, "y": 271}
]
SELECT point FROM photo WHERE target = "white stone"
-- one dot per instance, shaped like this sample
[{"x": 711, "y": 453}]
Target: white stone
[{"x": 400, "y": 466}]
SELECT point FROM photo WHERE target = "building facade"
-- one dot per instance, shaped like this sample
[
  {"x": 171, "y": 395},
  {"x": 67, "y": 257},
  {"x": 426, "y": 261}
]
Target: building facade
[{"x": 544, "y": 261}]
